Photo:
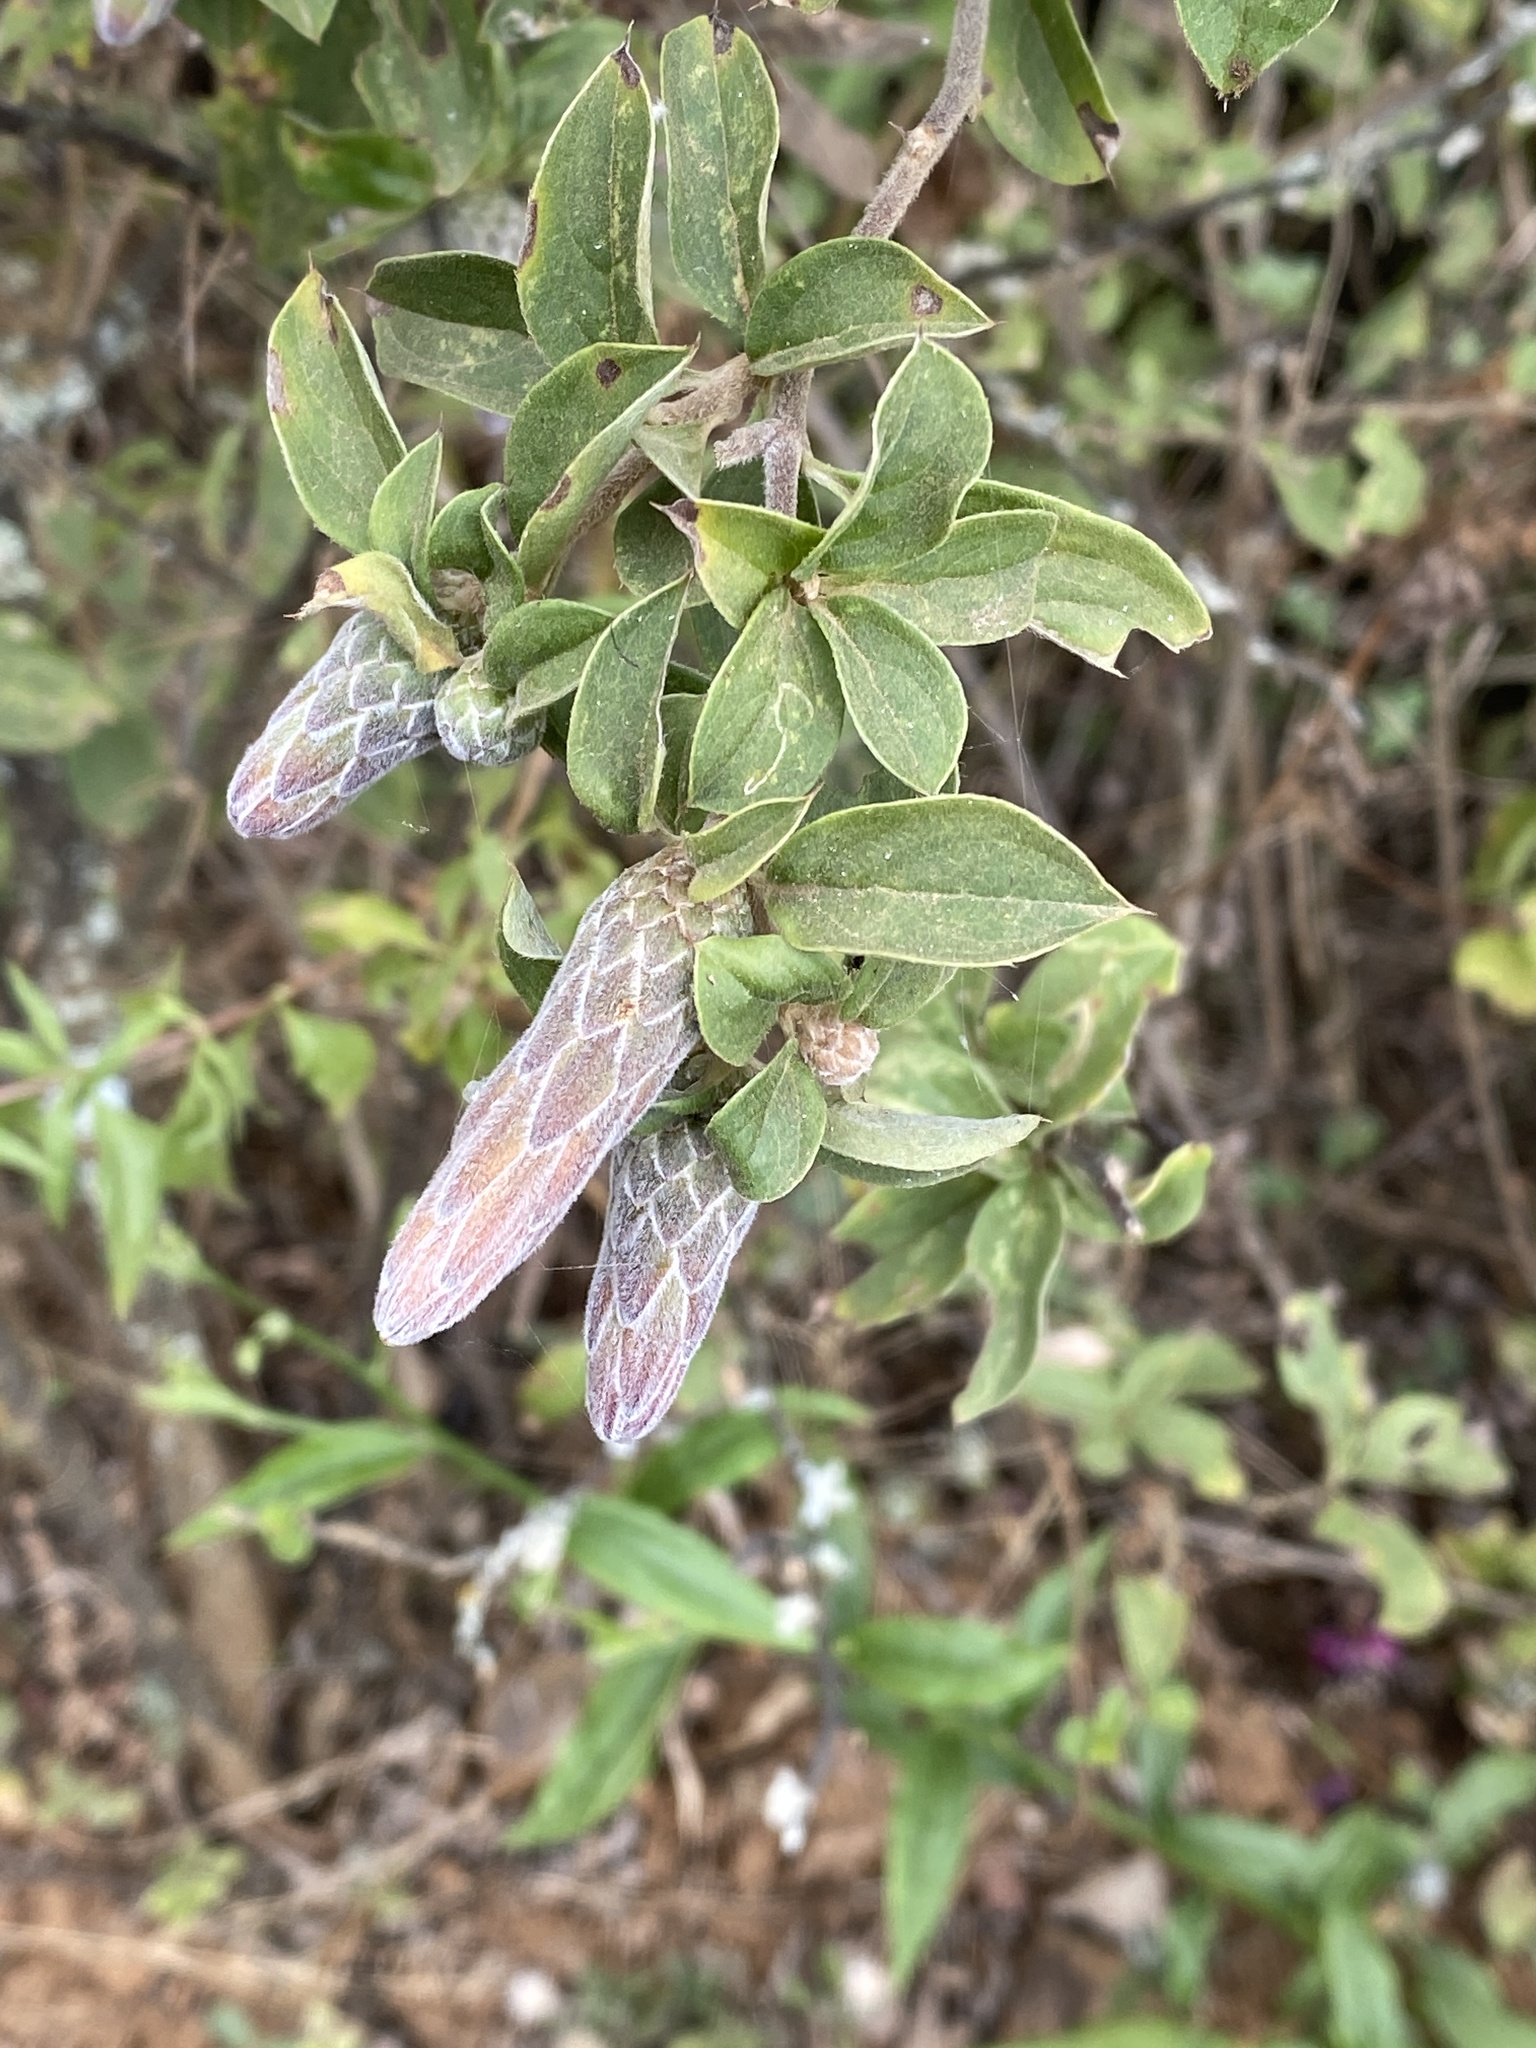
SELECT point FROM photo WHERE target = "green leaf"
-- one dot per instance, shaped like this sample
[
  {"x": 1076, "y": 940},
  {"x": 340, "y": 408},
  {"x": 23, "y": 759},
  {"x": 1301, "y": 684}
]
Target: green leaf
[
  {"x": 1317, "y": 492},
  {"x": 903, "y": 696},
  {"x": 722, "y": 138},
  {"x": 188, "y": 1386},
  {"x": 1236, "y": 39},
  {"x": 938, "y": 1664},
  {"x": 1322, "y": 1372},
  {"x": 1013, "y": 1250},
  {"x": 648, "y": 549},
  {"x": 331, "y": 1055},
  {"x": 527, "y": 950},
  {"x": 1099, "y": 580},
  {"x": 1365, "y": 1994},
  {"x": 1048, "y": 106},
  {"x": 895, "y": 1142},
  {"x": 1414, "y": 1596},
  {"x": 740, "y": 551},
  {"x": 724, "y": 855},
  {"x": 357, "y": 167},
  {"x": 452, "y": 323},
  {"x": 337, "y": 438},
  {"x": 637, "y": 1554},
  {"x": 1185, "y": 1439},
  {"x": 1151, "y": 1622},
  {"x": 739, "y": 985},
  {"x": 459, "y": 287},
  {"x": 48, "y": 701},
  {"x": 955, "y": 880},
  {"x": 585, "y": 274},
  {"x": 444, "y": 100},
  {"x": 1065, "y": 1039},
  {"x": 613, "y": 749},
  {"x": 932, "y": 435},
  {"x": 1271, "y": 1868},
  {"x": 609, "y": 1750},
  {"x": 1461, "y": 2001},
  {"x": 1473, "y": 1804},
  {"x": 770, "y": 1131},
  {"x": 1423, "y": 1441},
  {"x": 569, "y": 432},
  {"x": 1390, "y": 497},
  {"x": 888, "y": 992},
  {"x": 367, "y": 924},
  {"x": 1170, "y": 1199},
  {"x": 401, "y": 516},
  {"x": 920, "y": 1271},
  {"x": 128, "y": 1165},
  {"x": 377, "y": 583},
  {"x": 925, "y": 1849},
  {"x": 850, "y": 297},
  {"x": 979, "y": 584},
  {"x": 332, "y": 1462},
  {"x": 310, "y": 17},
  {"x": 717, "y": 1450},
  {"x": 536, "y": 654},
  {"x": 773, "y": 716}
]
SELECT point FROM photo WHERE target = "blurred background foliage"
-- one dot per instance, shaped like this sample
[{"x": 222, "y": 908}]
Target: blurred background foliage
[{"x": 1293, "y": 338}]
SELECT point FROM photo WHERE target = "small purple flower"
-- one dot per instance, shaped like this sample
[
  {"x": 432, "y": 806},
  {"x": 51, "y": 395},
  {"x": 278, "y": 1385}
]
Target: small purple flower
[{"x": 1353, "y": 1653}]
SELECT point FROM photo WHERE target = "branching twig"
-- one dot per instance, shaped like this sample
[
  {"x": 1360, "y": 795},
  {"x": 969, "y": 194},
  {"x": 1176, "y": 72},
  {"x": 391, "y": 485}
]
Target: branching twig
[{"x": 72, "y": 124}]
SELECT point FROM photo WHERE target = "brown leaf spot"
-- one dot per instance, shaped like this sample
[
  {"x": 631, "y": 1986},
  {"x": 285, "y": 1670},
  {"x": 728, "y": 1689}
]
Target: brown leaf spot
[
  {"x": 277, "y": 387},
  {"x": 329, "y": 583},
  {"x": 608, "y": 372},
  {"x": 1104, "y": 135},
  {"x": 530, "y": 231},
  {"x": 724, "y": 35},
  {"x": 629, "y": 70},
  {"x": 925, "y": 302},
  {"x": 558, "y": 495},
  {"x": 328, "y": 308},
  {"x": 1239, "y": 72}
]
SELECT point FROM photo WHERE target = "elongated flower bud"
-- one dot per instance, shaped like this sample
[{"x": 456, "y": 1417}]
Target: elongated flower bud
[
  {"x": 674, "y": 1224},
  {"x": 474, "y": 721},
  {"x": 361, "y": 710},
  {"x": 617, "y": 1020}
]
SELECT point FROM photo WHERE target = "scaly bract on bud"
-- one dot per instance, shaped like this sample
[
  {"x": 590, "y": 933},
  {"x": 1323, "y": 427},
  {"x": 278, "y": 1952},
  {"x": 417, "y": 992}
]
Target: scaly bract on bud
[
  {"x": 616, "y": 1022},
  {"x": 475, "y": 724},
  {"x": 361, "y": 710},
  {"x": 837, "y": 1052},
  {"x": 674, "y": 1224}
]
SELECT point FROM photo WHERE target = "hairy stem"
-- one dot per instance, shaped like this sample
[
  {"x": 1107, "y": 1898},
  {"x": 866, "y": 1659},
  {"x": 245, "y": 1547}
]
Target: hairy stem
[{"x": 921, "y": 147}]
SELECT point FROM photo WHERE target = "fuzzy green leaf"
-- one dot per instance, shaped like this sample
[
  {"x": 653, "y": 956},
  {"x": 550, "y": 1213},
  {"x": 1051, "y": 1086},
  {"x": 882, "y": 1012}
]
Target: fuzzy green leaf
[
  {"x": 1013, "y": 1250},
  {"x": 613, "y": 749},
  {"x": 724, "y": 855},
  {"x": 1365, "y": 1994},
  {"x": 452, "y": 323},
  {"x": 865, "y": 1134},
  {"x": 528, "y": 951},
  {"x": 932, "y": 435},
  {"x": 585, "y": 274},
  {"x": 1099, "y": 580},
  {"x": 1236, "y": 39},
  {"x": 888, "y": 992},
  {"x": 401, "y": 516},
  {"x": 956, "y": 880},
  {"x": 979, "y": 584},
  {"x": 332, "y": 1055},
  {"x": 771, "y": 1130},
  {"x": 1414, "y": 1595},
  {"x": 921, "y": 1246},
  {"x": 847, "y": 298},
  {"x": 310, "y": 17},
  {"x": 1064, "y": 1041},
  {"x": 740, "y": 984},
  {"x": 773, "y": 715},
  {"x": 539, "y": 651},
  {"x": 377, "y": 583},
  {"x": 722, "y": 138},
  {"x": 569, "y": 432},
  {"x": 740, "y": 551},
  {"x": 336, "y": 435},
  {"x": 1048, "y": 106},
  {"x": 905, "y": 699}
]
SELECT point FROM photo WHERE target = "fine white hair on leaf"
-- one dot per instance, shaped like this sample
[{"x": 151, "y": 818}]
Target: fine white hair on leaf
[
  {"x": 616, "y": 1022},
  {"x": 674, "y": 1224}
]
